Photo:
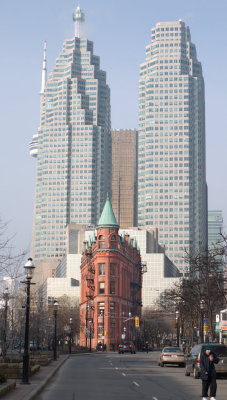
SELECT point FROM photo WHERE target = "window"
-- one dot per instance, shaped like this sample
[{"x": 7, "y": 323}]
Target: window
[
  {"x": 101, "y": 287},
  {"x": 112, "y": 287},
  {"x": 112, "y": 269},
  {"x": 101, "y": 308},
  {"x": 112, "y": 310},
  {"x": 100, "y": 330},
  {"x": 101, "y": 242},
  {"x": 101, "y": 269},
  {"x": 113, "y": 242}
]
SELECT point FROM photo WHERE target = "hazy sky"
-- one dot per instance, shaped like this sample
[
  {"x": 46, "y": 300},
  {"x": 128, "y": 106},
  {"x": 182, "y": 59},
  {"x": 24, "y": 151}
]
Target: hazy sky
[{"x": 120, "y": 30}]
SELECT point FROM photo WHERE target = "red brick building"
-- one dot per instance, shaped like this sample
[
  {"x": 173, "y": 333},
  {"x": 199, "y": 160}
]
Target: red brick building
[{"x": 111, "y": 282}]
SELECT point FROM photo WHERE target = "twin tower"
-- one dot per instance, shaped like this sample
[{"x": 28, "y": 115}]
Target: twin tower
[{"x": 73, "y": 144}]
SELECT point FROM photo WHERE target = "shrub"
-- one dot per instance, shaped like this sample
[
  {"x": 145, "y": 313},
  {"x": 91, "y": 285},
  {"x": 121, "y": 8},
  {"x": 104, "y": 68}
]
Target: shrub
[{"x": 2, "y": 378}]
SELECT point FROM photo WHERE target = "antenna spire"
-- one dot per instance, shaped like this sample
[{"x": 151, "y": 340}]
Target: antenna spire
[
  {"x": 44, "y": 69},
  {"x": 78, "y": 18}
]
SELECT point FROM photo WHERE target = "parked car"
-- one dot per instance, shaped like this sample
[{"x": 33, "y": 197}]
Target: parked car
[
  {"x": 193, "y": 360},
  {"x": 126, "y": 347},
  {"x": 172, "y": 355}
]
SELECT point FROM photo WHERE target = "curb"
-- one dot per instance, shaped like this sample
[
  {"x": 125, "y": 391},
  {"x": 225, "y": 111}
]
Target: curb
[
  {"x": 7, "y": 387},
  {"x": 38, "y": 389}
]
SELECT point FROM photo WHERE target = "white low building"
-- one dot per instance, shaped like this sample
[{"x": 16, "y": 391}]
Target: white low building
[{"x": 160, "y": 273}]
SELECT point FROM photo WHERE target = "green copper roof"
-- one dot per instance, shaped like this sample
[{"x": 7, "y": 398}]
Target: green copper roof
[{"x": 107, "y": 219}]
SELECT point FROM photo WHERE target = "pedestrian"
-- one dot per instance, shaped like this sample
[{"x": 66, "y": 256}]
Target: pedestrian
[{"x": 208, "y": 373}]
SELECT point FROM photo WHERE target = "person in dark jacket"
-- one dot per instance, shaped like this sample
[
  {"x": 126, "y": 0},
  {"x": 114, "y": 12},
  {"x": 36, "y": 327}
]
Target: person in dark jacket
[{"x": 208, "y": 373}]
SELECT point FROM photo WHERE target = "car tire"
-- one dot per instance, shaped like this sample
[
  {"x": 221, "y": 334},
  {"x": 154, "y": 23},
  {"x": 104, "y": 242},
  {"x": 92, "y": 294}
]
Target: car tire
[
  {"x": 161, "y": 364},
  {"x": 196, "y": 374}
]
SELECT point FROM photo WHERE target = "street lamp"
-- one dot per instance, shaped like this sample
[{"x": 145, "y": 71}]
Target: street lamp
[
  {"x": 4, "y": 333},
  {"x": 102, "y": 313},
  {"x": 202, "y": 335},
  {"x": 70, "y": 335},
  {"x": 55, "y": 329},
  {"x": 87, "y": 308},
  {"x": 177, "y": 326},
  {"x": 29, "y": 268},
  {"x": 90, "y": 322}
]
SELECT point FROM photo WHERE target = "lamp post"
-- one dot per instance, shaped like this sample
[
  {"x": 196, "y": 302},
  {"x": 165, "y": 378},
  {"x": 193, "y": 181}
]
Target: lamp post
[
  {"x": 29, "y": 268},
  {"x": 102, "y": 313},
  {"x": 55, "y": 329},
  {"x": 87, "y": 308},
  {"x": 4, "y": 329},
  {"x": 202, "y": 333},
  {"x": 177, "y": 326},
  {"x": 70, "y": 335},
  {"x": 90, "y": 323}
]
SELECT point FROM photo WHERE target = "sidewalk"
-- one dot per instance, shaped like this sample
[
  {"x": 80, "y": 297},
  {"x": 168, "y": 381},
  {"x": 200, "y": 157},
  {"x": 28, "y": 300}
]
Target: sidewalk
[{"x": 37, "y": 381}]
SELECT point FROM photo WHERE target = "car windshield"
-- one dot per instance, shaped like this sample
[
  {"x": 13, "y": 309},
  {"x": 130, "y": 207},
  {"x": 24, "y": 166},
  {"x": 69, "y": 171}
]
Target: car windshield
[
  {"x": 218, "y": 350},
  {"x": 171, "y": 350}
]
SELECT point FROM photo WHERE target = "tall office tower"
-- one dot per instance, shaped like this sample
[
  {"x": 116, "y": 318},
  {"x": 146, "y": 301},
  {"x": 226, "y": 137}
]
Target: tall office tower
[
  {"x": 215, "y": 227},
  {"x": 124, "y": 176},
  {"x": 172, "y": 192},
  {"x": 73, "y": 146}
]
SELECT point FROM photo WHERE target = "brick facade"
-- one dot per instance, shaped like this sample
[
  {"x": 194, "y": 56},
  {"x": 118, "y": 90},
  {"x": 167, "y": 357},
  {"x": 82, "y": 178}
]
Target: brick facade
[{"x": 111, "y": 282}]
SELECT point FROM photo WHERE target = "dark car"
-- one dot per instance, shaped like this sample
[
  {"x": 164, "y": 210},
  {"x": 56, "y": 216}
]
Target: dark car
[
  {"x": 147, "y": 347},
  {"x": 193, "y": 360},
  {"x": 126, "y": 347}
]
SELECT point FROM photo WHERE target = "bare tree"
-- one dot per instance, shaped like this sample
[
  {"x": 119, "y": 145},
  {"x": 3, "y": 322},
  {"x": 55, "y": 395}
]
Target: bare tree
[{"x": 205, "y": 285}]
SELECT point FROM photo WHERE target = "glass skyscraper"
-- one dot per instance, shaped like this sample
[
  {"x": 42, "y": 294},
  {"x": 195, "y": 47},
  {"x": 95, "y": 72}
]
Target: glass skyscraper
[
  {"x": 172, "y": 193},
  {"x": 215, "y": 227},
  {"x": 73, "y": 146}
]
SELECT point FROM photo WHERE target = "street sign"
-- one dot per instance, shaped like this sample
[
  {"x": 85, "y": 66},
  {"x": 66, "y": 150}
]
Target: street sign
[
  {"x": 217, "y": 327},
  {"x": 103, "y": 337},
  {"x": 217, "y": 317},
  {"x": 123, "y": 336}
]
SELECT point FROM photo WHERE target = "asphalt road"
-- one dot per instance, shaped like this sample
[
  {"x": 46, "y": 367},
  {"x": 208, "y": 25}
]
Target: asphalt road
[{"x": 111, "y": 376}]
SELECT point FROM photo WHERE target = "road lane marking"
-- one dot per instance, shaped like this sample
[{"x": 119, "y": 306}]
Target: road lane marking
[
  {"x": 154, "y": 398},
  {"x": 116, "y": 368},
  {"x": 123, "y": 374},
  {"x": 135, "y": 383}
]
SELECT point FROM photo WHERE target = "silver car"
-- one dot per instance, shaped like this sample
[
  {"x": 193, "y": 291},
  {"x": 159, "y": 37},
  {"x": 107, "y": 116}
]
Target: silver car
[
  {"x": 172, "y": 355},
  {"x": 193, "y": 360}
]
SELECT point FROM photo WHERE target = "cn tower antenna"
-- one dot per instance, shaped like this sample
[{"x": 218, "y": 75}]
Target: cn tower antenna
[
  {"x": 44, "y": 69},
  {"x": 78, "y": 18}
]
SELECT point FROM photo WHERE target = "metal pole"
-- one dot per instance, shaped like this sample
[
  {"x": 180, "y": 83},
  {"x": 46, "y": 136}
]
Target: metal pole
[
  {"x": 201, "y": 334},
  {"x": 103, "y": 330},
  {"x": 55, "y": 335},
  {"x": 177, "y": 332},
  {"x": 86, "y": 325},
  {"x": 5, "y": 330},
  {"x": 90, "y": 339},
  {"x": 25, "y": 375},
  {"x": 70, "y": 341}
]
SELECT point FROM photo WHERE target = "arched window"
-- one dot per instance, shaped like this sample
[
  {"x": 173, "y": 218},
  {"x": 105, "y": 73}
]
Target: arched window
[
  {"x": 101, "y": 242},
  {"x": 113, "y": 242}
]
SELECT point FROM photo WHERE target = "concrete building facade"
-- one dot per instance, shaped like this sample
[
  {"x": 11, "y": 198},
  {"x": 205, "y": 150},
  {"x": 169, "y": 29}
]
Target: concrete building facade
[
  {"x": 125, "y": 176},
  {"x": 172, "y": 193},
  {"x": 161, "y": 274}
]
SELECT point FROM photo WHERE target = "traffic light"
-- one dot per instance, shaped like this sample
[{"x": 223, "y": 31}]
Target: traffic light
[{"x": 137, "y": 322}]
